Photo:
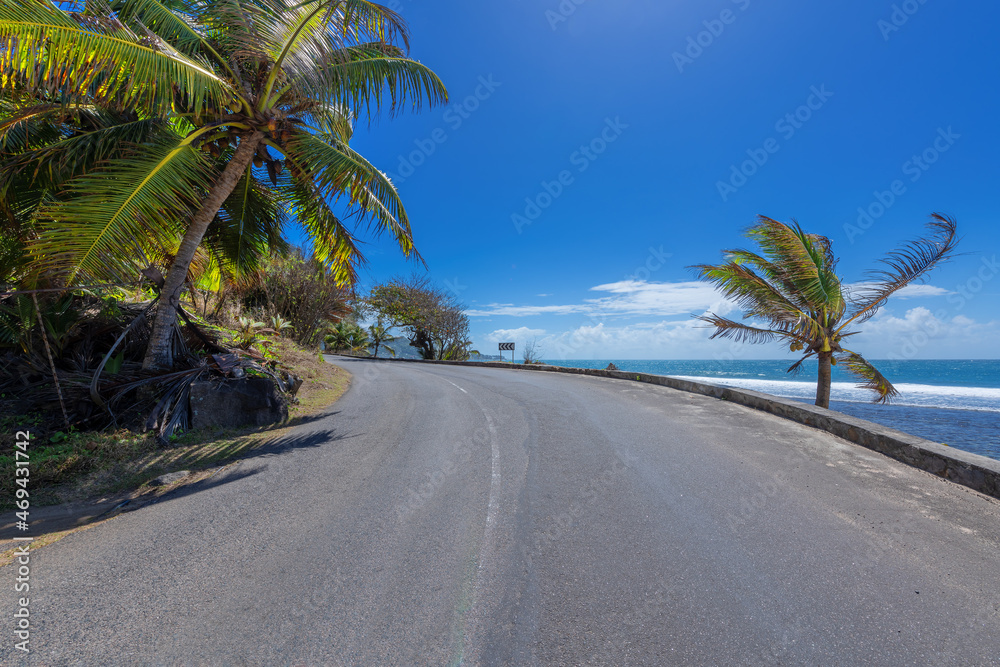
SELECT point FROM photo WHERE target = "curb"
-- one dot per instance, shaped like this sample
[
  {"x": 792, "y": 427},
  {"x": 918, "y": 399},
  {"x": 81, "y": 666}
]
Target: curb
[{"x": 977, "y": 472}]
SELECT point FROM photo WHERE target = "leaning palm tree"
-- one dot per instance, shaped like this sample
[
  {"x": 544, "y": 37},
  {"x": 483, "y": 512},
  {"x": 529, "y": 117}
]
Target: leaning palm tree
[
  {"x": 253, "y": 103},
  {"x": 793, "y": 288}
]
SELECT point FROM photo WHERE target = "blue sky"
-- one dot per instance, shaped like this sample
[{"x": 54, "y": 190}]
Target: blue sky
[{"x": 592, "y": 151}]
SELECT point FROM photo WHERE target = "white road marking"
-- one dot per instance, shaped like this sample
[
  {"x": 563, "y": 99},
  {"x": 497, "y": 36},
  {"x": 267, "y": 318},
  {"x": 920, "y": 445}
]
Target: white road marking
[{"x": 455, "y": 386}]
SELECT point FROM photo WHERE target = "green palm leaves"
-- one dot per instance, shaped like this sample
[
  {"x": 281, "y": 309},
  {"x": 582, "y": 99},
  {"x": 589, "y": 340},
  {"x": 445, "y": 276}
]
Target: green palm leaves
[
  {"x": 93, "y": 56},
  {"x": 792, "y": 289},
  {"x": 126, "y": 214},
  {"x": 188, "y": 132}
]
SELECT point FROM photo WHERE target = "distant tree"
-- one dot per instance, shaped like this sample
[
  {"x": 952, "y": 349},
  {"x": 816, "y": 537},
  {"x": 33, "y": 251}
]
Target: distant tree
[
  {"x": 794, "y": 288},
  {"x": 300, "y": 289},
  {"x": 347, "y": 336},
  {"x": 378, "y": 336},
  {"x": 433, "y": 320}
]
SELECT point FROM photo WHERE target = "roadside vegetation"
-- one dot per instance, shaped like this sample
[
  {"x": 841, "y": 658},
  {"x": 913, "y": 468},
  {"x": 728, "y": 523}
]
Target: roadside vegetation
[
  {"x": 791, "y": 293},
  {"x": 431, "y": 319},
  {"x": 74, "y": 464},
  {"x": 153, "y": 158}
]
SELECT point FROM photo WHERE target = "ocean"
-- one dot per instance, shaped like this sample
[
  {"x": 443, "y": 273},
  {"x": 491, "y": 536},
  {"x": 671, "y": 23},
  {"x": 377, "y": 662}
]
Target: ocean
[{"x": 955, "y": 402}]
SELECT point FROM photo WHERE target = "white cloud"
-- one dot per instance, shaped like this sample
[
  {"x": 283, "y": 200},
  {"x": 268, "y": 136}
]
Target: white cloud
[
  {"x": 918, "y": 334},
  {"x": 915, "y": 291},
  {"x": 516, "y": 335},
  {"x": 921, "y": 334},
  {"x": 667, "y": 339},
  {"x": 628, "y": 297}
]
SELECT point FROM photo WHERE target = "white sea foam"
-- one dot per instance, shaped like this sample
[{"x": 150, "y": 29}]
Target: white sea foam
[{"x": 915, "y": 395}]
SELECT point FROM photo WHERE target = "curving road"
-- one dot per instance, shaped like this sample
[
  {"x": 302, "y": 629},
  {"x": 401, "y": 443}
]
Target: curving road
[{"x": 446, "y": 515}]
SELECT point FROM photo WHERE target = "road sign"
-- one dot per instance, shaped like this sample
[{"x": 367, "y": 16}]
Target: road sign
[{"x": 506, "y": 347}]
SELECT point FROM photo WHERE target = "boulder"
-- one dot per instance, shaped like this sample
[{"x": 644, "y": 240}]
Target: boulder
[{"x": 248, "y": 401}]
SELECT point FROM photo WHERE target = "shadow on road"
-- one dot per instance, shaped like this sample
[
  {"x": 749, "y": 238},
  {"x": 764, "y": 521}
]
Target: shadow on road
[{"x": 56, "y": 518}]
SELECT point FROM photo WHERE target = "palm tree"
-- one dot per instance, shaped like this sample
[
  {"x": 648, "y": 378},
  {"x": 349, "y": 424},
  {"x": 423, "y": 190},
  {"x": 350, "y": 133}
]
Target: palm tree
[
  {"x": 225, "y": 83},
  {"x": 358, "y": 339},
  {"x": 339, "y": 337},
  {"x": 378, "y": 335},
  {"x": 794, "y": 288}
]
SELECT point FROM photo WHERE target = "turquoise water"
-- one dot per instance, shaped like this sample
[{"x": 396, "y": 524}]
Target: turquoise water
[{"x": 952, "y": 401}]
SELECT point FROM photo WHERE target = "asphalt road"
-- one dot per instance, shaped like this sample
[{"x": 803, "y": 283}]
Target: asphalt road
[{"x": 443, "y": 515}]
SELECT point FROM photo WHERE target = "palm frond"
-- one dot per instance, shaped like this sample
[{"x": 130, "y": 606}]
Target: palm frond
[
  {"x": 797, "y": 366},
  {"x": 91, "y": 57},
  {"x": 338, "y": 171},
  {"x": 161, "y": 20},
  {"x": 806, "y": 260},
  {"x": 248, "y": 227},
  {"x": 80, "y": 151},
  {"x": 294, "y": 39},
  {"x": 366, "y": 21},
  {"x": 871, "y": 377},
  {"x": 112, "y": 222},
  {"x": 369, "y": 77},
  {"x": 743, "y": 333},
  {"x": 751, "y": 292},
  {"x": 333, "y": 243},
  {"x": 906, "y": 265}
]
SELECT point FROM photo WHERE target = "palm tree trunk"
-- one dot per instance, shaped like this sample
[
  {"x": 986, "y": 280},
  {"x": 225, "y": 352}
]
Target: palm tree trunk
[
  {"x": 825, "y": 377},
  {"x": 159, "y": 353}
]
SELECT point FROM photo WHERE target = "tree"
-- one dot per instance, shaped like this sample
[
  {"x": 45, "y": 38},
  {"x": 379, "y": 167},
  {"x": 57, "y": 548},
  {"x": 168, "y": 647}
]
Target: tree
[
  {"x": 378, "y": 335},
  {"x": 225, "y": 83},
  {"x": 433, "y": 320},
  {"x": 794, "y": 289},
  {"x": 299, "y": 288},
  {"x": 532, "y": 352},
  {"x": 347, "y": 336}
]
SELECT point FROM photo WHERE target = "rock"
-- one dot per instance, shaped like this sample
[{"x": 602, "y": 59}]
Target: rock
[
  {"x": 251, "y": 401},
  {"x": 170, "y": 478},
  {"x": 611, "y": 367},
  {"x": 289, "y": 382}
]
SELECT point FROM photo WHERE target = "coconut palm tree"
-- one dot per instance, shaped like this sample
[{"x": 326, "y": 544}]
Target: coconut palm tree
[
  {"x": 378, "y": 335},
  {"x": 253, "y": 102},
  {"x": 792, "y": 287}
]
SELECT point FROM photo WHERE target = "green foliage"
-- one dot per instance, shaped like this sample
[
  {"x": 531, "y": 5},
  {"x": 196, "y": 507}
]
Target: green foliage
[
  {"x": 792, "y": 289},
  {"x": 347, "y": 336},
  {"x": 247, "y": 332},
  {"x": 187, "y": 135},
  {"x": 379, "y": 336},
  {"x": 134, "y": 106},
  {"x": 432, "y": 319},
  {"x": 302, "y": 297}
]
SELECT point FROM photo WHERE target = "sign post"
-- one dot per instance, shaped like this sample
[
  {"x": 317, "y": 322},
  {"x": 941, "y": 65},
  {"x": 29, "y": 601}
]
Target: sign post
[{"x": 507, "y": 346}]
